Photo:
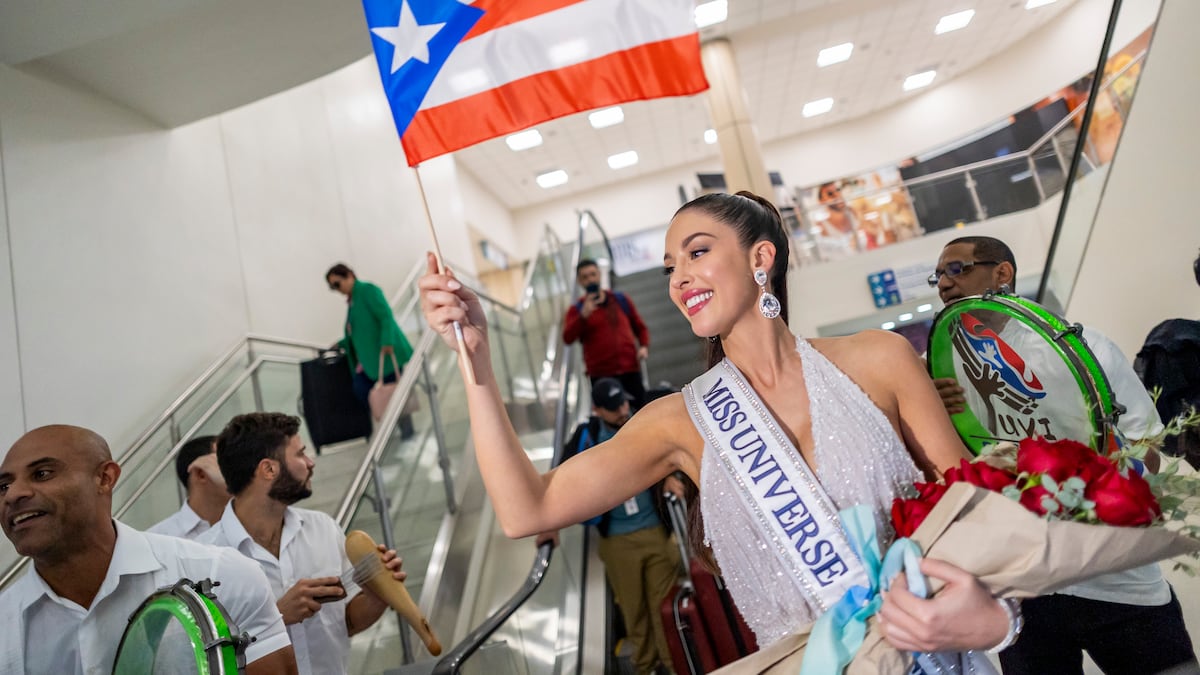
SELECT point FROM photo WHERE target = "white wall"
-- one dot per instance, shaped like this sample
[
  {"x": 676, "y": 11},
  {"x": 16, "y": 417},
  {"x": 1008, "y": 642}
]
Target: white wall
[
  {"x": 12, "y": 407},
  {"x": 1042, "y": 62},
  {"x": 486, "y": 213},
  {"x": 1137, "y": 269},
  {"x": 140, "y": 254}
]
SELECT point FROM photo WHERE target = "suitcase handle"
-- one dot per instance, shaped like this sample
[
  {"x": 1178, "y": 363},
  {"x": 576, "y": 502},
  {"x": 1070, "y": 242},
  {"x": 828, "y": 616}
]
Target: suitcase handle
[{"x": 678, "y": 512}]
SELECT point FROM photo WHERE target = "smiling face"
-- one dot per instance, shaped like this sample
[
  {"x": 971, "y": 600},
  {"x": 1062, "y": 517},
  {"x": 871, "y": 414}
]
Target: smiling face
[
  {"x": 711, "y": 275},
  {"x": 55, "y": 488}
]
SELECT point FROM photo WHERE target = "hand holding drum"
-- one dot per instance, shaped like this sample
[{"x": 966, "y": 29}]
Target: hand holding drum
[{"x": 370, "y": 573}]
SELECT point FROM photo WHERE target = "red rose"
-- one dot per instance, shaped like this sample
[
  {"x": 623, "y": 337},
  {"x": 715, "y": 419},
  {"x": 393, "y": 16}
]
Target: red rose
[
  {"x": 1123, "y": 500},
  {"x": 1061, "y": 460},
  {"x": 1031, "y": 498},
  {"x": 908, "y": 514},
  {"x": 980, "y": 474}
]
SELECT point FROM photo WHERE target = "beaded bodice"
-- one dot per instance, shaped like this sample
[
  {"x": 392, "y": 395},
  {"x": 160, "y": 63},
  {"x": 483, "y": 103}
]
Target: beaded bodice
[{"x": 860, "y": 460}]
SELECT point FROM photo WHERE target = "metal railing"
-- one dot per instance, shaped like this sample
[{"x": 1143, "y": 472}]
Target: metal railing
[
  {"x": 452, "y": 662},
  {"x": 1049, "y": 144}
]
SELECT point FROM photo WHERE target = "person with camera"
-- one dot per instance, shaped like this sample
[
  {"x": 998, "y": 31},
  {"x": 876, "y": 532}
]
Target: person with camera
[{"x": 613, "y": 335}]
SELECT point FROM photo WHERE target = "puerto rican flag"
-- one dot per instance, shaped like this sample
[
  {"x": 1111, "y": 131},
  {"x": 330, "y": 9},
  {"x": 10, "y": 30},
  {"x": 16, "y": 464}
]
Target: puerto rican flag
[{"x": 458, "y": 74}]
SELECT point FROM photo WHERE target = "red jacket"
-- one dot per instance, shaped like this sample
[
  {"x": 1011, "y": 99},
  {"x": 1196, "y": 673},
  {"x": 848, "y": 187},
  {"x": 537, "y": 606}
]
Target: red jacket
[{"x": 610, "y": 337}]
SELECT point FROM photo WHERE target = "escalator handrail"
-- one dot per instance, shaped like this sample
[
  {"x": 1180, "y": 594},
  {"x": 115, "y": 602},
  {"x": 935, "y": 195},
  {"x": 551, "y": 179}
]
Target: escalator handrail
[
  {"x": 203, "y": 379},
  {"x": 383, "y": 430},
  {"x": 452, "y": 662},
  {"x": 584, "y": 216}
]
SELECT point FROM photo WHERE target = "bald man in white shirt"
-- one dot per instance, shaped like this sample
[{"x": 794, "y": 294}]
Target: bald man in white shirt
[{"x": 90, "y": 572}]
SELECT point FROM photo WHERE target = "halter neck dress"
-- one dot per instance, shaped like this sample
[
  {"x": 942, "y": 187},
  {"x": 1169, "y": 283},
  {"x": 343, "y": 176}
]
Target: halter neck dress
[{"x": 860, "y": 460}]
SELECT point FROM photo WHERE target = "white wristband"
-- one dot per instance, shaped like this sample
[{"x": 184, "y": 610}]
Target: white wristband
[{"x": 1012, "y": 607}]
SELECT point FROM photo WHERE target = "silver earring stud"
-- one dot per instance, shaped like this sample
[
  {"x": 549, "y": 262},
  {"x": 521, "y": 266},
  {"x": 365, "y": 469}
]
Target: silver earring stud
[{"x": 768, "y": 304}]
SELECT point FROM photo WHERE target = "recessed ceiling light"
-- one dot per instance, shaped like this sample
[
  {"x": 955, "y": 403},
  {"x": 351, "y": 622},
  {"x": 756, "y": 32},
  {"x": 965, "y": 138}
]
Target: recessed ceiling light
[
  {"x": 552, "y": 178},
  {"x": 524, "y": 140},
  {"x": 835, "y": 54},
  {"x": 623, "y": 159},
  {"x": 710, "y": 136},
  {"x": 921, "y": 309},
  {"x": 919, "y": 80},
  {"x": 710, "y": 13},
  {"x": 882, "y": 200},
  {"x": 607, "y": 117},
  {"x": 954, "y": 21},
  {"x": 1034, "y": 4},
  {"x": 817, "y": 107},
  {"x": 906, "y": 316},
  {"x": 888, "y": 325}
]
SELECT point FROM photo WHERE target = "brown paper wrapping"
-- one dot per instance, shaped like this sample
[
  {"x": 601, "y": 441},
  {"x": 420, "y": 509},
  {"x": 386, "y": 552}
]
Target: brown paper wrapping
[{"x": 1013, "y": 552}]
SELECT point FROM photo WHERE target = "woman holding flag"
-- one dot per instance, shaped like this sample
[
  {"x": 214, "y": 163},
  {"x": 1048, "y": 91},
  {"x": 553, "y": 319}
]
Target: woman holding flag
[{"x": 780, "y": 434}]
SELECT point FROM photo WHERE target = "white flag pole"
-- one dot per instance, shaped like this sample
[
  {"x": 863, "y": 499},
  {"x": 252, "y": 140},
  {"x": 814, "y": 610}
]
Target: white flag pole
[{"x": 464, "y": 359}]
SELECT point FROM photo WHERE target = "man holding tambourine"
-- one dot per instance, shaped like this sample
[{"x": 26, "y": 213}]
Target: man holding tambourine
[
  {"x": 90, "y": 573},
  {"x": 1008, "y": 369}
]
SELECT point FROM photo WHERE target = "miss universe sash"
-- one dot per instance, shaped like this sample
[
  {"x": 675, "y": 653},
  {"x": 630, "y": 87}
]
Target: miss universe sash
[{"x": 776, "y": 485}]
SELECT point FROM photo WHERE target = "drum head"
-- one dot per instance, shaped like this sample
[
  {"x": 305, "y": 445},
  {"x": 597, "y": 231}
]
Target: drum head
[
  {"x": 180, "y": 630},
  {"x": 1024, "y": 371}
]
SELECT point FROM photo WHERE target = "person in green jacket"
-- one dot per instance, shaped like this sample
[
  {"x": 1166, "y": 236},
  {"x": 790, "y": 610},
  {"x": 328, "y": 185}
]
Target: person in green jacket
[{"x": 371, "y": 331}]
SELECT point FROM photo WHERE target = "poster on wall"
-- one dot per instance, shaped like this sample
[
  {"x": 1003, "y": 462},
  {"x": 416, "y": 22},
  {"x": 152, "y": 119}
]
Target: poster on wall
[{"x": 859, "y": 213}]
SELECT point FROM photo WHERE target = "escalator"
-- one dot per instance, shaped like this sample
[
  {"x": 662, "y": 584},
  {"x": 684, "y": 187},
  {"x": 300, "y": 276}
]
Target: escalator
[{"x": 425, "y": 480}]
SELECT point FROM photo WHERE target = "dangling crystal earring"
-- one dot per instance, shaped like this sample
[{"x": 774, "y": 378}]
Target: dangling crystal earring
[{"x": 768, "y": 304}]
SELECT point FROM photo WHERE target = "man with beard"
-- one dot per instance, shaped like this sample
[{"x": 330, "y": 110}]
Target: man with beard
[{"x": 302, "y": 552}]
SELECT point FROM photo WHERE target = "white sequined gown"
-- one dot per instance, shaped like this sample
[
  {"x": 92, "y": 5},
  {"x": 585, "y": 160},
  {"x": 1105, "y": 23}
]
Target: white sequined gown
[{"x": 860, "y": 460}]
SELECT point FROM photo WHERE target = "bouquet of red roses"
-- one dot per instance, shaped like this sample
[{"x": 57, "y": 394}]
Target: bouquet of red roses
[
  {"x": 1061, "y": 480},
  {"x": 1025, "y": 521}
]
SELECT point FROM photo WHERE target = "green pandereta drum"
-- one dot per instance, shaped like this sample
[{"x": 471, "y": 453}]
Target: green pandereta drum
[
  {"x": 181, "y": 629},
  {"x": 1025, "y": 373}
]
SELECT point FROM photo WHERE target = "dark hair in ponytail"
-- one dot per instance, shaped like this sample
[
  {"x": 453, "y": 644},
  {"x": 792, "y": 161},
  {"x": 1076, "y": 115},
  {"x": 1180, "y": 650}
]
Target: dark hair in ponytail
[{"x": 755, "y": 219}]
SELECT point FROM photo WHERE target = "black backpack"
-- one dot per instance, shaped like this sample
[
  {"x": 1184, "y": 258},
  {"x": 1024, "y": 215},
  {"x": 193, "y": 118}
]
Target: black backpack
[{"x": 1170, "y": 361}]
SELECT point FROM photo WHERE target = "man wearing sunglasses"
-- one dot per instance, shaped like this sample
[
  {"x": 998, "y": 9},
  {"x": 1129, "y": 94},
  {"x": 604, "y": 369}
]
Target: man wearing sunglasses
[{"x": 1129, "y": 622}]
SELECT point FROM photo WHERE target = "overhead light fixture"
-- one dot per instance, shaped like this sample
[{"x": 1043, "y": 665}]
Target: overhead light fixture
[
  {"x": 919, "y": 80},
  {"x": 623, "y": 159},
  {"x": 955, "y": 21},
  {"x": 607, "y": 117},
  {"x": 710, "y": 136},
  {"x": 882, "y": 200},
  {"x": 888, "y": 325},
  {"x": 524, "y": 140},
  {"x": 1034, "y": 4},
  {"x": 817, "y": 107},
  {"x": 711, "y": 13},
  {"x": 552, "y": 179},
  {"x": 907, "y": 316},
  {"x": 921, "y": 309},
  {"x": 835, "y": 54}
]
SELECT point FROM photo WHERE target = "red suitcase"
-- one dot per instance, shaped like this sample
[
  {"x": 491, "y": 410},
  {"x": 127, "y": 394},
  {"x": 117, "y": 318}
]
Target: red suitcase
[{"x": 704, "y": 629}]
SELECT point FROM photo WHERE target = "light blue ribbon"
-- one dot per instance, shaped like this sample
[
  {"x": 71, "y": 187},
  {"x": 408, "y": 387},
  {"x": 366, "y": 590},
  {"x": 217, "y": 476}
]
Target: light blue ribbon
[{"x": 838, "y": 634}]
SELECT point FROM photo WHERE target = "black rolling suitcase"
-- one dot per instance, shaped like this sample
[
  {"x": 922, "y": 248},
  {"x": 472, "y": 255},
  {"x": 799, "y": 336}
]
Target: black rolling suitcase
[
  {"x": 703, "y": 627},
  {"x": 330, "y": 410}
]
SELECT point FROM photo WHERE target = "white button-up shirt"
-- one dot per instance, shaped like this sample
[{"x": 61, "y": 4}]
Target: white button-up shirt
[
  {"x": 184, "y": 523},
  {"x": 310, "y": 546},
  {"x": 41, "y": 632}
]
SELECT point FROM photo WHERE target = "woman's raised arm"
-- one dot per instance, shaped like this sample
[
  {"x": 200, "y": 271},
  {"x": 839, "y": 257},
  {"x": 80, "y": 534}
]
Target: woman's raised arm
[{"x": 527, "y": 502}]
